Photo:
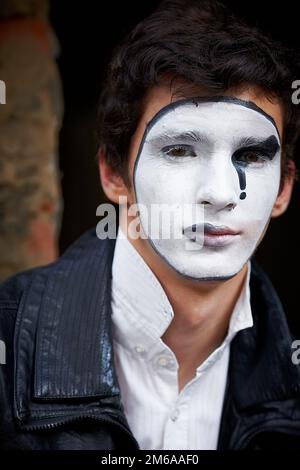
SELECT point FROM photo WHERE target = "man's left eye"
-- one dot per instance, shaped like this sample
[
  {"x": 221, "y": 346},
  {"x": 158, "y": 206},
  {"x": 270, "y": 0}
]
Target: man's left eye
[
  {"x": 252, "y": 157},
  {"x": 177, "y": 151}
]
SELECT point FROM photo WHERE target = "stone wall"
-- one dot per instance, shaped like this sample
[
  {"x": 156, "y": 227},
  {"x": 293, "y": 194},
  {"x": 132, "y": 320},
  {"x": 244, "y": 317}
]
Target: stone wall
[{"x": 30, "y": 193}]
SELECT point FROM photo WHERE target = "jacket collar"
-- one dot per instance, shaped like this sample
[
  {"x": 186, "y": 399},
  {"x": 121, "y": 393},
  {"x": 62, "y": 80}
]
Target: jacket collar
[
  {"x": 63, "y": 341},
  {"x": 70, "y": 345},
  {"x": 261, "y": 368},
  {"x": 74, "y": 355}
]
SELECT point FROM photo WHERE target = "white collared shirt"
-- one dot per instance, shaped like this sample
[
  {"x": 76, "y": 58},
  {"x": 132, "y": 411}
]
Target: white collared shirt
[{"x": 159, "y": 416}]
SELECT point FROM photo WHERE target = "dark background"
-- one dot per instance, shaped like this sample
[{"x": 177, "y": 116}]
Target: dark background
[{"x": 87, "y": 33}]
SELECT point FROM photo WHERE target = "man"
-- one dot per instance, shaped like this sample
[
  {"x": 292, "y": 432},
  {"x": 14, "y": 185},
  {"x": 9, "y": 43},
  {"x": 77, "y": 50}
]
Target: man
[{"x": 178, "y": 341}]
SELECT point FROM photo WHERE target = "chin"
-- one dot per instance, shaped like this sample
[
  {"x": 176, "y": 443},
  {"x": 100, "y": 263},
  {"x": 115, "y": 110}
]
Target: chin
[
  {"x": 210, "y": 266},
  {"x": 210, "y": 274},
  {"x": 210, "y": 277}
]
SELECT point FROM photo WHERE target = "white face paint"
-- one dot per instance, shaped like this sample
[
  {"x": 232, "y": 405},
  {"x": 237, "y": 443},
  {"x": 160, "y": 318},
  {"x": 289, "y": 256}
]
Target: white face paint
[{"x": 222, "y": 157}]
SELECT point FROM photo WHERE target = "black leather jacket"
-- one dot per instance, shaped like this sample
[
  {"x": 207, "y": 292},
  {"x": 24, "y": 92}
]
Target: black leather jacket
[{"x": 59, "y": 389}]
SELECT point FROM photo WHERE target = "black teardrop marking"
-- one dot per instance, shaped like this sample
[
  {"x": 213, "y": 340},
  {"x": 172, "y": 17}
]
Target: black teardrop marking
[
  {"x": 242, "y": 178},
  {"x": 240, "y": 168}
]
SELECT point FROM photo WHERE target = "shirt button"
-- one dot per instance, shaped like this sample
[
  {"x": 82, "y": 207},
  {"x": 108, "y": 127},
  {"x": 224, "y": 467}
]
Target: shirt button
[
  {"x": 174, "y": 415},
  {"x": 163, "y": 361},
  {"x": 139, "y": 349}
]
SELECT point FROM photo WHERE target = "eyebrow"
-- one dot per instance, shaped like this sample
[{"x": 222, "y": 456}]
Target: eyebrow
[
  {"x": 270, "y": 145},
  {"x": 187, "y": 136}
]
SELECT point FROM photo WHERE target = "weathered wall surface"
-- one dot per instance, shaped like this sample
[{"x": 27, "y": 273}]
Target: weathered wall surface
[{"x": 30, "y": 194}]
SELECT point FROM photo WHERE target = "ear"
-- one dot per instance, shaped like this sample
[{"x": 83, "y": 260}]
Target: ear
[
  {"x": 112, "y": 183},
  {"x": 284, "y": 197}
]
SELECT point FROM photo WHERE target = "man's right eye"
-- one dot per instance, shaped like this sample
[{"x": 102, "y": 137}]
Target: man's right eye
[{"x": 179, "y": 151}]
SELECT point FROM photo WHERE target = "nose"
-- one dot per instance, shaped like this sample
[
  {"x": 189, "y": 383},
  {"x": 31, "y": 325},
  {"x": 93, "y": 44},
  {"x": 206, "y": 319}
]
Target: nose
[{"x": 218, "y": 187}]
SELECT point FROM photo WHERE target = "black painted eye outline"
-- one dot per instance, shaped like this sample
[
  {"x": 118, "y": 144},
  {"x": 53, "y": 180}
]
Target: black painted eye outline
[
  {"x": 262, "y": 158},
  {"x": 166, "y": 151}
]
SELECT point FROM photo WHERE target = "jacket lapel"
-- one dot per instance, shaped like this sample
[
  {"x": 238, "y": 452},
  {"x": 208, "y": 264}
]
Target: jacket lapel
[
  {"x": 262, "y": 380},
  {"x": 63, "y": 338}
]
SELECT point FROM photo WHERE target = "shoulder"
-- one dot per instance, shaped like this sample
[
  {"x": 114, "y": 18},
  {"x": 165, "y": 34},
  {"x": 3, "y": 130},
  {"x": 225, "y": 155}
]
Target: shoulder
[
  {"x": 12, "y": 291},
  {"x": 71, "y": 266}
]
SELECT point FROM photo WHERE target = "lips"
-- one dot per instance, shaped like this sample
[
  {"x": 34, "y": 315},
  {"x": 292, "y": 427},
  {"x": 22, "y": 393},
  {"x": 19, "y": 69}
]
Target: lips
[{"x": 211, "y": 235}]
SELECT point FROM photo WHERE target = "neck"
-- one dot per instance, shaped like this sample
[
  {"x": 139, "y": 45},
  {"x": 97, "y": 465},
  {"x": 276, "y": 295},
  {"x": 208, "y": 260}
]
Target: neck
[{"x": 202, "y": 310}]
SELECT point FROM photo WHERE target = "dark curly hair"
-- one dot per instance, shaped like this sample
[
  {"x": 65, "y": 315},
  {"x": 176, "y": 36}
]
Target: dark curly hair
[{"x": 206, "y": 45}]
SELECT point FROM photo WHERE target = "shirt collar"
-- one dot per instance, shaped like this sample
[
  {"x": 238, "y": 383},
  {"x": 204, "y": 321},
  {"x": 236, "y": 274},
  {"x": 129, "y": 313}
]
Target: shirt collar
[{"x": 141, "y": 310}]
